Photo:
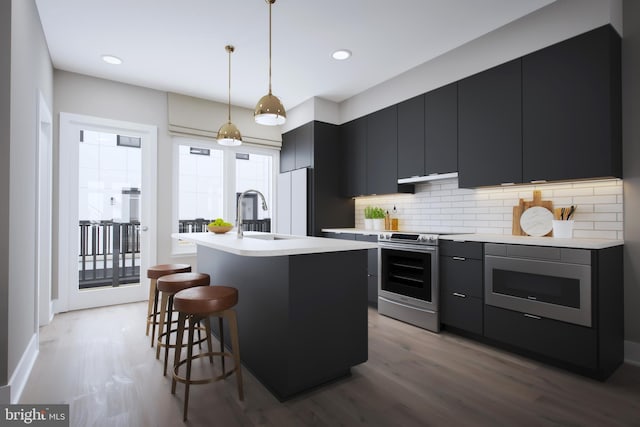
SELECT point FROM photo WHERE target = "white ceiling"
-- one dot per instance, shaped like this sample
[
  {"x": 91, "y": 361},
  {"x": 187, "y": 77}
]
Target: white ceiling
[{"x": 178, "y": 46}]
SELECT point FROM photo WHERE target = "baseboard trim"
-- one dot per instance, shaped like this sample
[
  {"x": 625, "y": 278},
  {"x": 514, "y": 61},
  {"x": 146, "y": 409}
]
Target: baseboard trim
[
  {"x": 5, "y": 395},
  {"x": 23, "y": 370},
  {"x": 632, "y": 353}
]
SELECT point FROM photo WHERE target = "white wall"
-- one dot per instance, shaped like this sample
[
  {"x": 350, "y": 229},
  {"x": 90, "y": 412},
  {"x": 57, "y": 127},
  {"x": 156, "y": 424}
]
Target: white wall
[
  {"x": 31, "y": 72},
  {"x": 5, "y": 191}
]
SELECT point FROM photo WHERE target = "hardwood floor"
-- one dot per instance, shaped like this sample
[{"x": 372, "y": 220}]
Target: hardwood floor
[{"x": 99, "y": 361}]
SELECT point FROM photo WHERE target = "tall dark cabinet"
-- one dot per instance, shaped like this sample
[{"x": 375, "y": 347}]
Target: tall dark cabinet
[
  {"x": 353, "y": 135},
  {"x": 382, "y": 151},
  {"x": 571, "y": 94},
  {"x": 411, "y": 143},
  {"x": 317, "y": 145},
  {"x": 490, "y": 126},
  {"x": 441, "y": 130}
]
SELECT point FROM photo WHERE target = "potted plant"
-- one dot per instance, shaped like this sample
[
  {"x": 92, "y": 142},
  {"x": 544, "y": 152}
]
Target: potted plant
[
  {"x": 378, "y": 218},
  {"x": 368, "y": 218}
]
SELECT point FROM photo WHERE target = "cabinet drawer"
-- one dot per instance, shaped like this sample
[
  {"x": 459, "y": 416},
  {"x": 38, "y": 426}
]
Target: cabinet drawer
[
  {"x": 462, "y": 275},
  {"x": 343, "y": 236},
  {"x": 463, "y": 313},
  {"x": 461, "y": 249},
  {"x": 562, "y": 341}
]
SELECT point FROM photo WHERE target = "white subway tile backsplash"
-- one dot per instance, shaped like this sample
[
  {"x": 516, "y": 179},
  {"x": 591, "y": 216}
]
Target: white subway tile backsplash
[{"x": 441, "y": 206}]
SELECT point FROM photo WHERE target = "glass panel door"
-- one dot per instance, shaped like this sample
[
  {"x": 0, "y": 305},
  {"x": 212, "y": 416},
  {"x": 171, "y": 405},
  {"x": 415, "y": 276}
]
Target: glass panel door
[{"x": 110, "y": 178}]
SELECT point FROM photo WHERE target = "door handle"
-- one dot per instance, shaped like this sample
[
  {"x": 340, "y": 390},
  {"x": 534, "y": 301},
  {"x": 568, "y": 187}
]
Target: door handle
[
  {"x": 457, "y": 294},
  {"x": 144, "y": 228},
  {"x": 459, "y": 258}
]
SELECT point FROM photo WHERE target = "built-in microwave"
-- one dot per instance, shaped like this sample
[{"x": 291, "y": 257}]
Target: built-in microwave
[{"x": 537, "y": 281}]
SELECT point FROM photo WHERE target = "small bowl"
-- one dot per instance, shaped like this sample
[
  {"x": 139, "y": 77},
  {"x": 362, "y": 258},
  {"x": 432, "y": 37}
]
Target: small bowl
[{"x": 219, "y": 229}]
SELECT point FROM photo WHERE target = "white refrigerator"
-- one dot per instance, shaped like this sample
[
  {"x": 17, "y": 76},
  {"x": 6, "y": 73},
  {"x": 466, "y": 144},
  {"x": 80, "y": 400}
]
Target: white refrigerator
[{"x": 293, "y": 202}]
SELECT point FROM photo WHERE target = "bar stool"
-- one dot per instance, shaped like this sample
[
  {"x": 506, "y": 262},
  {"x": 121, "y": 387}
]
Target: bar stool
[
  {"x": 169, "y": 285},
  {"x": 199, "y": 305},
  {"x": 154, "y": 273}
]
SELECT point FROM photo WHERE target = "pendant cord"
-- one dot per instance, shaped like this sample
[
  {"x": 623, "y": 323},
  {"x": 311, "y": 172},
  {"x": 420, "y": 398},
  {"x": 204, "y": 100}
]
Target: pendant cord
[
  {"x": 229, "y": 104},
  {"x": 269, "y": 48}
]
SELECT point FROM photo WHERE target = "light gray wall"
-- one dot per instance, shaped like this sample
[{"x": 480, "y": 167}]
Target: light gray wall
[
  {"x": 5, "y": 149},
  {"x": 31, "y": 72},
  {"x": 80, "y": 94},
  {"x": 631, "y": 165},
  {"x": 551, "y": 24}
]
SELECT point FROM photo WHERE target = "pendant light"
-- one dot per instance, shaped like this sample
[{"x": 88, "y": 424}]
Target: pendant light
[
  {"x": 228, "y": 134},
  {"x": 270, "y": 110}
]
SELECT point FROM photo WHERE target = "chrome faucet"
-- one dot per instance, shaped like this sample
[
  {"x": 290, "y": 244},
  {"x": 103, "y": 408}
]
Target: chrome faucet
[{"x": 239, "y": 212}]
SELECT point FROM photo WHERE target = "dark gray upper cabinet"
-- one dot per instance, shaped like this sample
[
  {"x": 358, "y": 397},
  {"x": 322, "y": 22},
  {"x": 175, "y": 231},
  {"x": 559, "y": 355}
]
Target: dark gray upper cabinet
[
  {"x": 297, "y": 148},
  {"x": 354, "y": 168},
  {"x": 288, "y": 152},
  {"x": 441, "y": 130},
  {"x": 304, "y": 146},
  {"x": 490, "y": 126},
  {"x": 382, "y": 151},
  {"x": 411, "y": 143},
  {"x": 571, "y": 108}
]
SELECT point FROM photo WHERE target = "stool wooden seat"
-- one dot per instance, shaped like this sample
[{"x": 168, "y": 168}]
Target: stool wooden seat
[
  {"x": 169, "y": 285},
  {"x": 154, "y": 273},
  {"x": 200, "y": 304}
]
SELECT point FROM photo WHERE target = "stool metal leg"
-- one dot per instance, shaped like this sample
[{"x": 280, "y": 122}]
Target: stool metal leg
[
  {"x": 155, "y": 313},
  {"x": 150, "y": 307},
  {"x": 182, "y": 319},
  {"x": 168, "y": 336},
  {"x": 220, "y": 326},
  {"x": 189, "y": 358},
  {"x": 161, "y": 322},
  {"x": 207, "y": 330}
]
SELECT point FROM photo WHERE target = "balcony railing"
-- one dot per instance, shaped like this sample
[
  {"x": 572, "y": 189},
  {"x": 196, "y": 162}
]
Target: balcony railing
[{"x": 109, "y": 253}]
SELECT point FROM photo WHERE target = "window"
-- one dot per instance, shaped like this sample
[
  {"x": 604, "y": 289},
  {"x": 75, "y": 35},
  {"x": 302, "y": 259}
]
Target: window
[{"x": 208, "y": 179}]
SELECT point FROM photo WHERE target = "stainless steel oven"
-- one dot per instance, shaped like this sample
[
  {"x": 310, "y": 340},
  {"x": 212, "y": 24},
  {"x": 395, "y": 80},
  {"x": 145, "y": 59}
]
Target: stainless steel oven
[
  {"x": 408, "y": 278},
  {"x": 548, "y": 282}
]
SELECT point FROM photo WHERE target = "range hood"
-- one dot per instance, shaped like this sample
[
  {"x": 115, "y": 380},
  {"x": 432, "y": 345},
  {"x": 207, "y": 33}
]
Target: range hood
[{"x": 426, "y": 178}]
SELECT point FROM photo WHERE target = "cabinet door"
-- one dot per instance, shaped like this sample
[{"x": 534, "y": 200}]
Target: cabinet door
[
  {"x": 304, "y": 146},
  {"x": 490, "y": 127},
  {"x": 288, "y": 151},
  {"x": 382, "y": 151},
  {"x": 342, "y": 236},
  {"x": 372, "y": 269},
  {"x": 354, "y": 139},
  {"x": 441, "y": 130},
  {"x": 411, "y": 137},
  {"x": 571, "y": 108}
]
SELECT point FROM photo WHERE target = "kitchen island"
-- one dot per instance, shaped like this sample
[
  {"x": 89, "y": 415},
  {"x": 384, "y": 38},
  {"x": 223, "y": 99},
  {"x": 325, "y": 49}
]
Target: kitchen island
[{"x": 302, "y": 308}]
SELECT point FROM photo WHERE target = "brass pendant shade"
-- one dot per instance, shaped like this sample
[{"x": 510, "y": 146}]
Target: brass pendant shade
[
  {"x": 269, "y": 110},
  {"x": 228, "y": 134}
]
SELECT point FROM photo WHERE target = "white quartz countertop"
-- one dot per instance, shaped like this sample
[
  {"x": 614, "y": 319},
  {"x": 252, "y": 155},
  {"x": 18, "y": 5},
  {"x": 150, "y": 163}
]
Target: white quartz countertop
[
  {"x": 506, "y": 238},
  {"x": 267, "y": 244}
]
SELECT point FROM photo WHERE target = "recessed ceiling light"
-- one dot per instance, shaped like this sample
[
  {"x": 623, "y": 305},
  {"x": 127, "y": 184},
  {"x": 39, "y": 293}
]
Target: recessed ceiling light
[
  {"x": 110, "y": 59},
  {"x": 341, "y": 54}
]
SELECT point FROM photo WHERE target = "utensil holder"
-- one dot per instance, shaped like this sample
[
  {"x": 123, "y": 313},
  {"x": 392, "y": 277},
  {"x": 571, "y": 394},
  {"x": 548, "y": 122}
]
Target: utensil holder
[{"x": 563, "y": 229}]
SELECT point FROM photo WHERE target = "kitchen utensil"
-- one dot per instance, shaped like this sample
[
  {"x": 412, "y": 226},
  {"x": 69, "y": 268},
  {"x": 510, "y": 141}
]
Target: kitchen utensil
[{"x": 536, "y": 221}]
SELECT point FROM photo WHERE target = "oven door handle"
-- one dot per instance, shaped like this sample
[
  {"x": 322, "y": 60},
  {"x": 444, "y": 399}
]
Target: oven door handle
[
  {"x": 413, "y": 307},
  {"x": 409, "y": 248}
]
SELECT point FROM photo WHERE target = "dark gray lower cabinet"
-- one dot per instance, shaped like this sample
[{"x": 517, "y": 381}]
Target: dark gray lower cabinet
[
  {"x": 372, "y": 270},
  {"x": 558, "y": 340},
  {"x": 596, "y": 350},
  {"x": 461, "y": 302},
  {"x": 372, "y": 265}
]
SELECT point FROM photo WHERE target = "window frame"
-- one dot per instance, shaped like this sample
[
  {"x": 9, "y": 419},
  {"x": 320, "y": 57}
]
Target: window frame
[{"x": 181, "y": 248}]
